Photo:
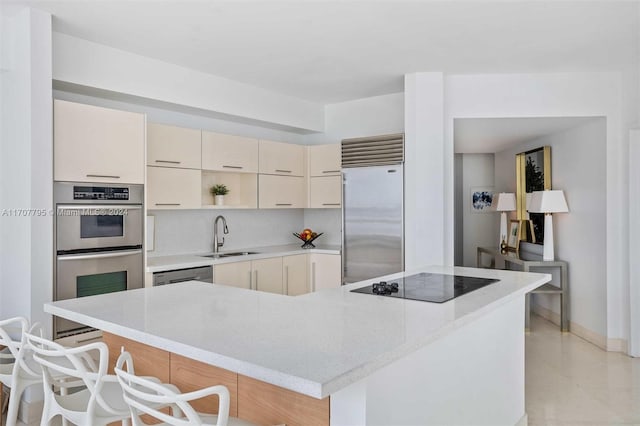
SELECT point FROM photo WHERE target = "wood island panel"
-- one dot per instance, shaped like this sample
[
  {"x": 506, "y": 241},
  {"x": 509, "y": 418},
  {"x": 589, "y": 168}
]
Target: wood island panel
[
  {"x": 250, "y": 399},
  {"x": 266, "y": 404},
  {"x": 190, "y": 375},
  {"x": 147, "y": 360}
]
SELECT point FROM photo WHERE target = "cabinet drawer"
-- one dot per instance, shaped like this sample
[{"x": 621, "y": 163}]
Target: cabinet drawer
[
  {"x": 171, "y": 146},
  {"x": 169, "y": 188},
  {"x": 325, "y": 192},
  {"x": 324, "y": 160},
  {"x": 277, "y": 158},
  {"x": 229, "y": 153},
  {"x": 279, "y": 192}
]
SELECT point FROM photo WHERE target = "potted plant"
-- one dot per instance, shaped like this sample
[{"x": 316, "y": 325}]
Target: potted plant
[{"x": 219, "y": 191}]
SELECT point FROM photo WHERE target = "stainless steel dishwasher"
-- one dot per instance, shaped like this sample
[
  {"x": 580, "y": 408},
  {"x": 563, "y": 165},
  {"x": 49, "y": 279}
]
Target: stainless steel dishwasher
[{"x": 202, "y": 273}]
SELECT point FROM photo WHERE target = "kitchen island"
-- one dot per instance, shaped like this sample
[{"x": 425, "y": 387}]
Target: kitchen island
[{"x": 365, "y": 359}]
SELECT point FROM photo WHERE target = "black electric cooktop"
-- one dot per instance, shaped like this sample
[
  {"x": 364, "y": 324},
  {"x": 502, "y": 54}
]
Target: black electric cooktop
[{"x": 425, "y": 287}]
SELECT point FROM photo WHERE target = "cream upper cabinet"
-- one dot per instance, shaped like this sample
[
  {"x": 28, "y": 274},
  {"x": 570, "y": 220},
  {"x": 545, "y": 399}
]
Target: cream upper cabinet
[
  {"x": 324, "y": 160},
  {"x": 277, "y": 158},
  {"x": 278, "y": 192},
  {"x": 170, "y": 188},
  {"x": 325, "y": 271},
  {"x": 325, "y": 192},
  {"x": 229, "y": 153},
  {"x": 171, "y": 146},
  {"x": 93, "y": 144},
  {"x": 267, "y": 275},
  {"x": 236, "y": 274},
  {"x": 294, "y": 275}
]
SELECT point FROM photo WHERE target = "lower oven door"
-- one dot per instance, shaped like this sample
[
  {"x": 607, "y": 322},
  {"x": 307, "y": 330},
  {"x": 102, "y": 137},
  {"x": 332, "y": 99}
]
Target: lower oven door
[{"x": 89, "y": 274}]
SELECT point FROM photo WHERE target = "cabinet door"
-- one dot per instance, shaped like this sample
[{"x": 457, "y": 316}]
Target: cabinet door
[
  {"x": 93, "y": 144},
  {"x": 171, "y": 146},
  {"x": 325, "y": 271},
  {"x": 279, "y": 192},
  {"x": 324, "y": 160},
  {"x": 169, "y": 188},
  {"x": 325, "y": 192},
  {"x": 267, "y": 275},
  {"x": 294, "y": 274},
  {"x": 236, "y": 274},
  {"x": 277, "y": 158},
  {"x": 229, "y": 153}
]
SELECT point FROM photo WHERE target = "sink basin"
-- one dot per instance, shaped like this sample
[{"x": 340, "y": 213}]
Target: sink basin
[{"x": 237, "y": 253}]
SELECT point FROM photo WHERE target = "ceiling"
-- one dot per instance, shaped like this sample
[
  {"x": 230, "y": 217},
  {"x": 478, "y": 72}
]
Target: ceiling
[
  {"x": 490, "y": 135},
  {"x": 330, "y": 51}
]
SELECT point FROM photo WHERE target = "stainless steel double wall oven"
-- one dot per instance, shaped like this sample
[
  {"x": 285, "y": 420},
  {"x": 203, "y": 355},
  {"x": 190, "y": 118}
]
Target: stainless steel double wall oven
[{"x": 99, "y": 242}]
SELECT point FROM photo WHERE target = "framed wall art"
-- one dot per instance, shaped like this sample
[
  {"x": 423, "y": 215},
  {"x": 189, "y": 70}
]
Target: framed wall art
[{"x": 481, "y": 199}]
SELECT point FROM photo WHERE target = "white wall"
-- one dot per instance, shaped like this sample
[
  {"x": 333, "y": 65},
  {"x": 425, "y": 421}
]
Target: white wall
[
  {"x": 327, "y": 221},
  {"x": 478, "y": 229},
  {"x": 84, "y": 63},
  {"x": 26, "y": 175},
  {"x": 577, "y": 167},
  {"x": 554, "y": 95}
]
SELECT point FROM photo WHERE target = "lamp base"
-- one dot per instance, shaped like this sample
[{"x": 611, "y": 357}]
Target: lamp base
[
  {"x": 547, "y": 253},
  {"x": 503, "y": 228}
]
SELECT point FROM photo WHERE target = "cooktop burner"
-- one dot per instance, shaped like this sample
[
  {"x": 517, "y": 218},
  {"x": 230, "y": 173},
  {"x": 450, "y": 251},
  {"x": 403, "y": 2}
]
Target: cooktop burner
[{"x": 425, "y": 287}]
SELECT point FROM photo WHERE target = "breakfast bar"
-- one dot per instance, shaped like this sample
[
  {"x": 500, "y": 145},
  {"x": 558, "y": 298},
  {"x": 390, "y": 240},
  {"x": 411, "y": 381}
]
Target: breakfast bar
[{"x": 335, "y": 356}]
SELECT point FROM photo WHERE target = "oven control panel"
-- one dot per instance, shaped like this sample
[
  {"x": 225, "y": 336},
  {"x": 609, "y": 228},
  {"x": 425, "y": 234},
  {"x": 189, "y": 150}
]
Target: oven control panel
[{"x": 100, "y": 193}]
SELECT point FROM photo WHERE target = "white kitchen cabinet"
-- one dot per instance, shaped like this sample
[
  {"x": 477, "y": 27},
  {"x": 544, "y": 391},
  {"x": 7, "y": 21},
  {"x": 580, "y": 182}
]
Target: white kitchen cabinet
[
  {"x": 325, "y": 192},
  {"x": 277, "y": 158},
  {"x": 170, "y": 188},
  {"x": 324, "y": 160},
  {"x": 294, "y": 275},
  {"x": 236, "y": 274},
  {"x": 229, "y": 153},
  {"x": 267, "y": 275},
  {"x": 94, "y": 144},
  {"x": 171, "y": 146},
  {"x": 325, "y": 271},
  {"x": 278, "y": 192}
]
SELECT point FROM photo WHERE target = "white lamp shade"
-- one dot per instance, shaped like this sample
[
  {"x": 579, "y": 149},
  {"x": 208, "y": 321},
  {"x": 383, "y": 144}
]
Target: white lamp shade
[
  {"x": 506, "y": 202},
  {"x": 550, "y": 201}
]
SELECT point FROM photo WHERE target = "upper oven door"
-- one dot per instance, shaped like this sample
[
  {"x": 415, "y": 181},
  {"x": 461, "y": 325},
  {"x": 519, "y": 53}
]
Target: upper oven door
[{"x": 86, "y": 227}]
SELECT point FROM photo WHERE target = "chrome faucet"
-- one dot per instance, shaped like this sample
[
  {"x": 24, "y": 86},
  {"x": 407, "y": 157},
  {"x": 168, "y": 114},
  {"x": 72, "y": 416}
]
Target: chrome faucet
[{"x": 216, "y": 244}]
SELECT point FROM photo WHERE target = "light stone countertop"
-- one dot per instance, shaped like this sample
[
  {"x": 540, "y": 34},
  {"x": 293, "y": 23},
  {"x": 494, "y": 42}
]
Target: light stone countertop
[
  {"x": 182, "y": 261},
  {"x": 315, "y": 344}
]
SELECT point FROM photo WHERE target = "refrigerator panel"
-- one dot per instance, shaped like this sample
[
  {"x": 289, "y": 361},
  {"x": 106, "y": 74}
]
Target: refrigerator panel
[{"x": 373, "y": 222}]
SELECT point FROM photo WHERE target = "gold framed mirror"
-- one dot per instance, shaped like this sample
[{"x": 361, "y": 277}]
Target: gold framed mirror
[{"x": 533, "y": 173}]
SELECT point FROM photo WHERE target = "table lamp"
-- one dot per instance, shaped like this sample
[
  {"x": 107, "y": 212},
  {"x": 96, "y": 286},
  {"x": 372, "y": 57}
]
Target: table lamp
[
  {"x": 548, "y": 202},
  {"x": 505, "y": 202}
]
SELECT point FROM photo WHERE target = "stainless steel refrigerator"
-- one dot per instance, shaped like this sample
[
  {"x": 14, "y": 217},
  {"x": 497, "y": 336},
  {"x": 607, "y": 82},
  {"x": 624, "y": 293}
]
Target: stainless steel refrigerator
[{"x": 373, "y": 221}]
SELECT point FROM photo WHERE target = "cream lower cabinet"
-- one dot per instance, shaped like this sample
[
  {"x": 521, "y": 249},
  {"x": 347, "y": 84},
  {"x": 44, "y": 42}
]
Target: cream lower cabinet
[
  {"x": 261, "y": 275},
  {"x": 291, "y": 275},
  {"x": 325, "y": 271},
  {"x": 236, "y": 274},
  {"x": 267, "y": 275},
  {"x": 281, "y": 192},
  {"x": 169, "y": 188},
  {"x": 294, "y": 275}
]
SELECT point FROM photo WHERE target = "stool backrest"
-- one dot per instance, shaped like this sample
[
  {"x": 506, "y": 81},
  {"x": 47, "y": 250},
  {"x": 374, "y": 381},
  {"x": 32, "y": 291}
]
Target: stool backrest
[
  {"x": 12, "y": 337},
  {"x": 72, "y": 367},
  {"x": 145, "y": 396}
]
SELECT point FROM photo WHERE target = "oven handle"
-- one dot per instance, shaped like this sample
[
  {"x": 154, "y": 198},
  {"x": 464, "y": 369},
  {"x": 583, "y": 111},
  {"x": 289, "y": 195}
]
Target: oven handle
[
  {"x": 99, "y": 255},
  {"x": 99, "y": 206}
]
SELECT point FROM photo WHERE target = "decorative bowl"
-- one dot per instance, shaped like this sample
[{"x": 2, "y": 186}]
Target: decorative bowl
[{"x": 307, "y": 243}]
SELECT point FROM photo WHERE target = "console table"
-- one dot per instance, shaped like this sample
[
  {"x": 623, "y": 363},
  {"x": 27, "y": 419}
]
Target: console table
[{"x": 527, "y": 262}]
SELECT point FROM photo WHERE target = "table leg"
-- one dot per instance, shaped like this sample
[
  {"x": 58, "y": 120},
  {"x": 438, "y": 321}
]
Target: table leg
[
  {"x": 564, "y": 296},
  {"x": 527, "y": 310}
]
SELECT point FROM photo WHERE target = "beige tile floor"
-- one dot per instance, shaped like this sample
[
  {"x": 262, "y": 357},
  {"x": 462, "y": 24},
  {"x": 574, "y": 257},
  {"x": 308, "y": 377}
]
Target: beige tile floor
[{"x": 572, "y": 382}]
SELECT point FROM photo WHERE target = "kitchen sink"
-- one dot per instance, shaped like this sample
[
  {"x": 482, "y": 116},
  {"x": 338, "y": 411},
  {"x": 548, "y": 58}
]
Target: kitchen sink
[{"x": 237, "y": 253}]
